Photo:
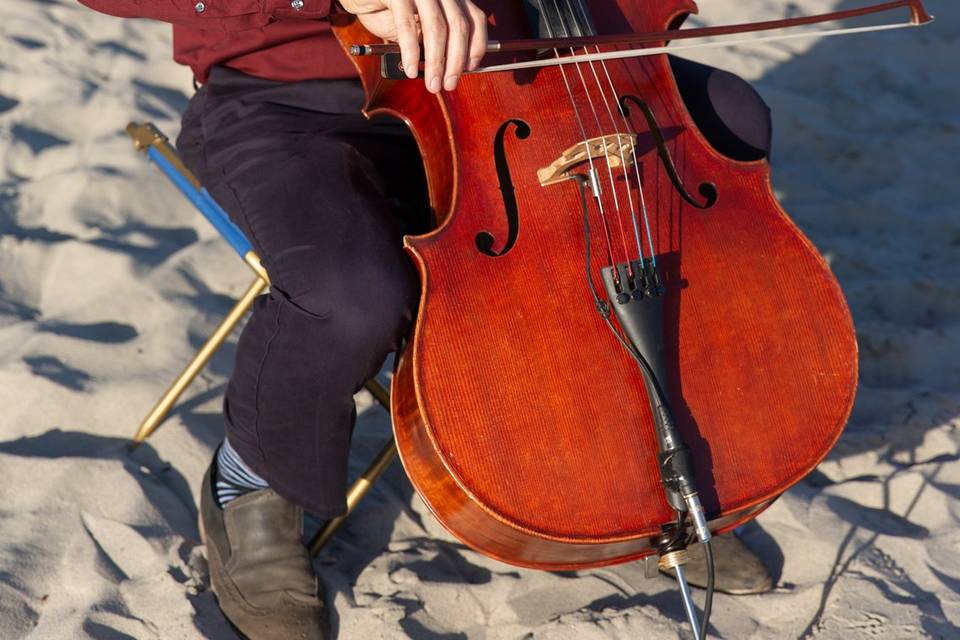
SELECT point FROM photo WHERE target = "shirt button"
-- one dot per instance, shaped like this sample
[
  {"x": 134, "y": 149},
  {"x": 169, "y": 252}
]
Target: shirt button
[
  {"x": 200, "y": 7},
  {"x": 296, "y": 4}
]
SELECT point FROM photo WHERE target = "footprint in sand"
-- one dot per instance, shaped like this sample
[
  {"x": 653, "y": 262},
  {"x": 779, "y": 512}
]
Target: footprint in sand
[{"x": 6, "y": 103}]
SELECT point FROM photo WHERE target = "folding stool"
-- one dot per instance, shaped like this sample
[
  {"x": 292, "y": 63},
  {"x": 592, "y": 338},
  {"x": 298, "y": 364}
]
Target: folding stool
[{"x": 147, "y": 138}]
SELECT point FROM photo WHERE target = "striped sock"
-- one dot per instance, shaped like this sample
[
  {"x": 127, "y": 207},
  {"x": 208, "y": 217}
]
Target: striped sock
[{"x": 234, "y": 477}]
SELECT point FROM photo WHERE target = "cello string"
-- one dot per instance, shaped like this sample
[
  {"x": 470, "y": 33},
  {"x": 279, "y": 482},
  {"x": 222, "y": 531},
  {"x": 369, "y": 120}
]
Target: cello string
[
  {"x": 583, "y": 132},
  {"x": 623, "y": 160},
  {"x": 624, "y": 166},
  {"x": 596, "y": 118},
  {"x": 606, "y": 155},
  {"x": 633, "y": 153},
  {"x": 636, "y": 167}
]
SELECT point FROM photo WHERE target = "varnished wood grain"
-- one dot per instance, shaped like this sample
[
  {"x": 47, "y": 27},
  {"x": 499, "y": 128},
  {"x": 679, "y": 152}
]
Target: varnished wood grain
[{"x": 520, "y": 421}]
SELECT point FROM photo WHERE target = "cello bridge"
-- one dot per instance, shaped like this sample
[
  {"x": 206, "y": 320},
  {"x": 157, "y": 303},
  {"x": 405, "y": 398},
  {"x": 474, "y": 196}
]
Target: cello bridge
[{"x": 615, "y": 148}]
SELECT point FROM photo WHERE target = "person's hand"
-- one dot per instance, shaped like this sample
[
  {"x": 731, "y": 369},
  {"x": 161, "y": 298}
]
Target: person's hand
[{"x": 454, "y": 35}]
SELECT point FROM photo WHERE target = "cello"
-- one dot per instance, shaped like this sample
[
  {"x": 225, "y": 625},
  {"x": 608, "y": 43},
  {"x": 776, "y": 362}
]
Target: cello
[{"x": 623, "y": 342}]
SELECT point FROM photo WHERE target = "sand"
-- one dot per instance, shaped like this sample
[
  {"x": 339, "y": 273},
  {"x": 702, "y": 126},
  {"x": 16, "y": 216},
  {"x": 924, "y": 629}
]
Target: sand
[{"x": 109, "y": 280}]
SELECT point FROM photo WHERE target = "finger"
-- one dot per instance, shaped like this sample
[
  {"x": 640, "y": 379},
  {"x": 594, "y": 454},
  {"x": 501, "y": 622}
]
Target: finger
[
  {"x": 408, "y": 39},
  {"x": 478, "y": 37},
  {"x": 434, "y": 30},
  {"x": 458, "y": 36}
]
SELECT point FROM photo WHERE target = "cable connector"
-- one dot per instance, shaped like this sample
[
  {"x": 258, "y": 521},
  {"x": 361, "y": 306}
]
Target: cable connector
[{"x": 698, "y": 516}]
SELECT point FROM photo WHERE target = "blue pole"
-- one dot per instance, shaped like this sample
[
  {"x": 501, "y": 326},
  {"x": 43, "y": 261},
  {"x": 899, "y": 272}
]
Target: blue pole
[{"x": 205, "y": 203}]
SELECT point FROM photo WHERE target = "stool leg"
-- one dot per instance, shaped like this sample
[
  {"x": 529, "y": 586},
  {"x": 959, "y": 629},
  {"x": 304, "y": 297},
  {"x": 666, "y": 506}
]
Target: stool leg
[
  {"x": 162, "y": 408},
  {"x": 379, "y": 392},
  {"x": 366, "y": 481},
  {"x": 359, "y": 489}
]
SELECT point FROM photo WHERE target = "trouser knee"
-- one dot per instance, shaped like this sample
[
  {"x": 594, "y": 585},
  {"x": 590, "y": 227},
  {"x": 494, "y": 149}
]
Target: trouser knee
[
  {"x": 729, "y": 112},
  {"x": 357, "y": 309}
]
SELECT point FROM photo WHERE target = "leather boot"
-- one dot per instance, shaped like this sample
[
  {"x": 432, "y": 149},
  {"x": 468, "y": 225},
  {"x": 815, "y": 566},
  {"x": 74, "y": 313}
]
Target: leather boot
[
  {"x": 738, "y": 571},
  {"x": 260, "y": 570}
]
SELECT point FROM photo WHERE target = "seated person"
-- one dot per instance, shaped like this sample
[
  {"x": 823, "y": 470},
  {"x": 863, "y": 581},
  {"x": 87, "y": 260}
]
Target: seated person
[{"x": 276, "y": 135}]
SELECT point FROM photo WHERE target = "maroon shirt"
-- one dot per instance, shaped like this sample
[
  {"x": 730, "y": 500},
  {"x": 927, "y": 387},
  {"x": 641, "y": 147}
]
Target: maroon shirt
[{"x": 286, "y": 40}]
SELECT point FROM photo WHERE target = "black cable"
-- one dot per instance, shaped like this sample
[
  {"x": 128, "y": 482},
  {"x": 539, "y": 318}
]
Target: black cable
[
  {"x": 604, "y": 310},
  {"x": 708, "y": 601}
]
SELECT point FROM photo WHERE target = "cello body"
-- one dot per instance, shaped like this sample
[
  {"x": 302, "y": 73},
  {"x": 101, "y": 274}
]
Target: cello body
[{"x": 519, "y": 419}]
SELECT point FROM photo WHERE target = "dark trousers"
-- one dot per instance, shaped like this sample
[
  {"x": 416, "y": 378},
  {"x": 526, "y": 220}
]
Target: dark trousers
[{"x": 324, "y": 196}]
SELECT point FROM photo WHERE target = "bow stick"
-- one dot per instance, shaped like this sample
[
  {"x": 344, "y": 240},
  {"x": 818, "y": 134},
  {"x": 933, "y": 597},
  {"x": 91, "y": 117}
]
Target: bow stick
[{"x": 918, "y": 16}]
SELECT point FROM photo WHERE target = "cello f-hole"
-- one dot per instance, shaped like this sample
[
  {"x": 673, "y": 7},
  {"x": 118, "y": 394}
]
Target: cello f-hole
[
  {"x": 484, "y": 239},
  {"x": 707, "y": 189}
]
